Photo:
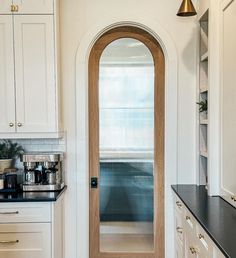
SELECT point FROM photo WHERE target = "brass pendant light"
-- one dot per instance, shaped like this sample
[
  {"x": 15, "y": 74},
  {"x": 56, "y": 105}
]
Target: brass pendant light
[{"x": 186, "y": 9}]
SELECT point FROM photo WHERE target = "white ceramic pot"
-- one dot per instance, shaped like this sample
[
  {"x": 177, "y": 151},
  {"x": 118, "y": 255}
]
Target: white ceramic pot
[{"x": 5, "y": 163}]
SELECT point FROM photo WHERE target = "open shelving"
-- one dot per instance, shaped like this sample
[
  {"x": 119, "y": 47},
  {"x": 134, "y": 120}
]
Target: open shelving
[{"x": 203, "y": 96}]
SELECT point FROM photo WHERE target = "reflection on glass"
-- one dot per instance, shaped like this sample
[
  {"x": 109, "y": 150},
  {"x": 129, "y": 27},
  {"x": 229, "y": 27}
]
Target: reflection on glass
[{"x": 126, "y": 134}]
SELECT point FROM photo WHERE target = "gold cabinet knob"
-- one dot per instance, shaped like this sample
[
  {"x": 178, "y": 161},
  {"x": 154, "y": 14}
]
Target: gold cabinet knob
[
  {"x": 200, "y": 236},
  {"x": 19, "y": 124},
  {"x": 188, "y": 218},
  {"x": 11, "y": 124},
  {"x": 179, "y": 230},
  {"x": 233, "y": 198},
  {"x": 193, "y": 250},
  {"x": 178, "y": 204},
  {"x": 12, "y": 8}
]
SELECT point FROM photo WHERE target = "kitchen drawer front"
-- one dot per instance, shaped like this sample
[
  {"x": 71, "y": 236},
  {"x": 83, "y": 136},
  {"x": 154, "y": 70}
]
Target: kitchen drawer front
[
  {"x": 179, "y": 231},
  {"x": 205, "y": 243},
  {"x": 25, "y": 240},
  {"x": 25, "y": 212},
  {"x": 189, "y": 222}
]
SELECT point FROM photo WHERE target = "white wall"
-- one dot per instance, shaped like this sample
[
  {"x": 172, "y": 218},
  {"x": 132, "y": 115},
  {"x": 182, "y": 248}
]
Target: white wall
[{"x": 77, "y": 18}]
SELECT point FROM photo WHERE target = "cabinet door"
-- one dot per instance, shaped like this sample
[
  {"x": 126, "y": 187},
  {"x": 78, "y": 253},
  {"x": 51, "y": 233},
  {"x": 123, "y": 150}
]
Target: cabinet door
[
  {"x": 7, "y": 90},
  {"x": 34, "y": 6},
  {"x": 228, "y": 96},
  {"x": 35, "y": 73},
  {"x": 5, "y": 6},
  {"x": 25, "y": 240}
]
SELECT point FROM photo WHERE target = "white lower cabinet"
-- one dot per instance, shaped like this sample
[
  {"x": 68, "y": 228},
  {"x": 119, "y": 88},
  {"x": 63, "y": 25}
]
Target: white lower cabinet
[
  {"x": 191, "y": 240},
  {"x": 228, "y": 104},
  {"x": 25, "y": 240},
  {"x": 36, "y": 234}
]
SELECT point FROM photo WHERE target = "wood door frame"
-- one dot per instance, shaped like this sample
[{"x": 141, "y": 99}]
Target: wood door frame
[{"x": 159, "y": 139}]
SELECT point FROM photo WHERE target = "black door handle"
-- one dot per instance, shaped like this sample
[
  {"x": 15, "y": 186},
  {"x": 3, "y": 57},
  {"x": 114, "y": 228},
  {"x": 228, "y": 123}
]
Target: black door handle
[{"x": 94, "y": 182}]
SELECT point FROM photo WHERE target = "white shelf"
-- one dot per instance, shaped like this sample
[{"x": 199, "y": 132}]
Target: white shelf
[
  {"x": 204, "y": 154},
  {"x": 204, "y": 122},
  {"x": 204, "y": 57},
  {"x": 203, "y": 95}
]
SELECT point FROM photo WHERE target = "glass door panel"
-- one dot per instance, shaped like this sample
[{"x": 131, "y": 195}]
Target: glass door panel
[{"x": 126, "y": 147}]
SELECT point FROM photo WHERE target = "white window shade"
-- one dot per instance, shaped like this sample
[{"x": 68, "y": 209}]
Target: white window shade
[{"x": 126, "y": 97}]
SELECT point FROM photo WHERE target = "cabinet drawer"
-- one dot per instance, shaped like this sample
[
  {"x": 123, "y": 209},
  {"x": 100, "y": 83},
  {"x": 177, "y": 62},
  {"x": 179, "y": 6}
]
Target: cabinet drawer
[
  {"x": 179, "y": 231},
  {"x": 25, "y": 240},
  {"x": 189, "y": 222},
  {"x": 205, "y": 242},
  {"x": 23, "y": 212}
]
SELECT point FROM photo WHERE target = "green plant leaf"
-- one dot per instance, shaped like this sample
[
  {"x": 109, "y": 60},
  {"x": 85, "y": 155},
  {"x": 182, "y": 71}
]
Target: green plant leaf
[{"x": 10, "y": 150}]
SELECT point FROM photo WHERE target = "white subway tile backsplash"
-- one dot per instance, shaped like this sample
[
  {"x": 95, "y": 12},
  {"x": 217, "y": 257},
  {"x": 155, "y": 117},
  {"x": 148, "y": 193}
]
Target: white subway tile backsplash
[
  {"x": 42, "y": 144},
  {"x": 38, "y": 145}
]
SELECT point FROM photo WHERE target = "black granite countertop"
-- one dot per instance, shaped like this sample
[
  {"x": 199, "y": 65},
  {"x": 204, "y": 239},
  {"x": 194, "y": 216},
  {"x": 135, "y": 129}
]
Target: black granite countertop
[
  {"x": 215, "y": 215},
  {"x": 31, "y": 196}
]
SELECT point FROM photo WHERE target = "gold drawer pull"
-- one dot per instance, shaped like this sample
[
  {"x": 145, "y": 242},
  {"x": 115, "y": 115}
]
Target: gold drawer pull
[
  {"x": 179, "y": 230},
  {"x": 200, "y": 236},
  {"x": 14, "y": 8},
  {"x": 9, "y": 241},
  {"x": 9, "y": 212},
  {"x": 233, "y": 198},
  {"x": 193, "y": 250},
  {"x": 178, "y": 204},
  {"x": 188, "y": 218}
]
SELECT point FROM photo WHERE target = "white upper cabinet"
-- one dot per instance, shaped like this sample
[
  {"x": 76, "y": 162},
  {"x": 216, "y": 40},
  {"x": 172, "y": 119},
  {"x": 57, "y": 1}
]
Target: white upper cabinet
[
  {"x": 7, "y": 88},
  {"x": 5, "y": 6},
  {"x": 29, "y": 88},
  {"x": 26, "y": 6},
  {"x": 34, "y": 73},
  {"x": 33, "y": 6},
  {"x": 228, "y": 100}
]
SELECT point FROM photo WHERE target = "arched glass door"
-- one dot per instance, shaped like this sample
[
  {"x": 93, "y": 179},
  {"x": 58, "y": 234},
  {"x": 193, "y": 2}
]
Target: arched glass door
[{"x": 126, "y": 146}]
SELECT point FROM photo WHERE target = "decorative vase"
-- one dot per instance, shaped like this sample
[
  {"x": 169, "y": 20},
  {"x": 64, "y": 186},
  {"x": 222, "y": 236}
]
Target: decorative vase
[{"x": 5, "y": 163}]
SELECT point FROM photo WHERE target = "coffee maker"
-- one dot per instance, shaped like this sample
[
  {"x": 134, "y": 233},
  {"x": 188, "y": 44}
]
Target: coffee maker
[{"x": 43, "y": 171}]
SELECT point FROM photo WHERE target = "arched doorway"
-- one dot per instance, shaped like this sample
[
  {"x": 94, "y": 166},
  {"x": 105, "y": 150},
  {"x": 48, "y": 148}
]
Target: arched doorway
[{"x": 106, "y": 153}]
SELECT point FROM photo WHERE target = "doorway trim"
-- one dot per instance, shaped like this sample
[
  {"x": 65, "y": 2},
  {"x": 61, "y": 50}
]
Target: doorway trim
[
  {"x": 159, "y": 135},
  {"x": 81, "y": 98}
]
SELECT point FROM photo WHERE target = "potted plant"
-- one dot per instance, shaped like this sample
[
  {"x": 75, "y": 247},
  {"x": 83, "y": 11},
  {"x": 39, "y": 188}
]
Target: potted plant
[
  {"x": 8, "y": 152},
  {"x": 203, "y": 107}
]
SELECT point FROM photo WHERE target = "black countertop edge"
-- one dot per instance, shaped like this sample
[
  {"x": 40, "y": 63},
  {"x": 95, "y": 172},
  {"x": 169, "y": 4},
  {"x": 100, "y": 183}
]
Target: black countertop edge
[
  {"x": 214, "y": 214},
  {"x": 31, "y": 196}
]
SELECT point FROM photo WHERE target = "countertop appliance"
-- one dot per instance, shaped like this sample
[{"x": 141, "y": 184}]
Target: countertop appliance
[{"x": 43, "y": 171}]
